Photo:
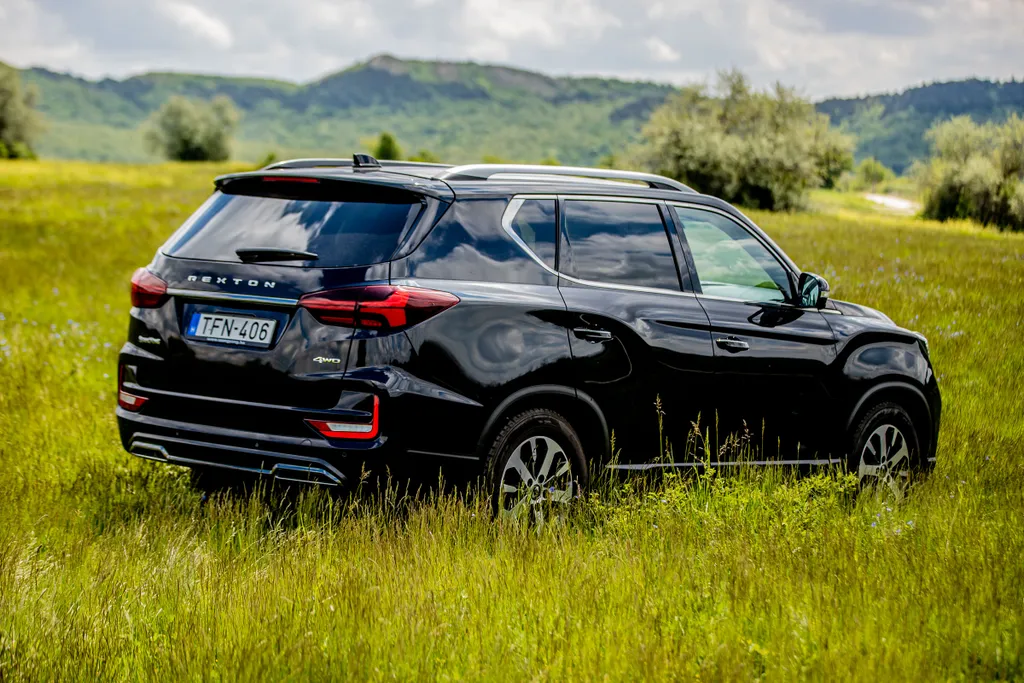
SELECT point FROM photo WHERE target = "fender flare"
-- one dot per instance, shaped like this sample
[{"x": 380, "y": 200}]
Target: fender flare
[
  {"x": 883, "y": 386},
  {"x": 549, "y": 390}
]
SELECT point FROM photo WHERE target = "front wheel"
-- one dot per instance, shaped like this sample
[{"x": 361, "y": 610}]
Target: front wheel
[
  {"x": 536, "y": 467},
  {"x": 885, "y": 450}
]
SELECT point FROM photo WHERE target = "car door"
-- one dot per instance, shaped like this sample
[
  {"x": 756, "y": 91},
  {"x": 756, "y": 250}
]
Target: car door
[
  {"x": 771, "y": 356},
  {"x": 641, "y": 344}
]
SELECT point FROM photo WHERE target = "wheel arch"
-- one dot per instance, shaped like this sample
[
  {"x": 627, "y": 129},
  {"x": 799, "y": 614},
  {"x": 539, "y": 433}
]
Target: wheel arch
[
  {"x": 578, "y": 408},
  {"x": 904, "y": 394}
]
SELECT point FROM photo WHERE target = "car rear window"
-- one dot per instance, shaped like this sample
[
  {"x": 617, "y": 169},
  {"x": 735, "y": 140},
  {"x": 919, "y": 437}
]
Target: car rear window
[{"x": 344, "y": 224}]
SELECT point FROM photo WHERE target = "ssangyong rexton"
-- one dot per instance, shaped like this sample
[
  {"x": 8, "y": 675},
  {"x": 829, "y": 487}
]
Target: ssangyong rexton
[{"x": 319, "y": 317}]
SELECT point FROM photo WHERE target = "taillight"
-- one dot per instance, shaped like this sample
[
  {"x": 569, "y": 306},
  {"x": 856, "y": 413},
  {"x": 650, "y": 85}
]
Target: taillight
[
  {"x": 148, "y": 291},
  {"x": 125, "y": 399},
  {"x": 379, "y": 307},
  {"x": 350, "y": 428}
]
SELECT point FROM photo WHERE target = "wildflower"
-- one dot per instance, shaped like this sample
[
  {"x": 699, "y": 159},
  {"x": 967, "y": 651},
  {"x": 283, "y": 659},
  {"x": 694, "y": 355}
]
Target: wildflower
[
  {"x": 898, "y": 530},
  {"x": 888, "y": 509},
  {"x": 56, "y": 292},
  {"x": 910, "y": 523},
  {"x": 874, "y": 524}
]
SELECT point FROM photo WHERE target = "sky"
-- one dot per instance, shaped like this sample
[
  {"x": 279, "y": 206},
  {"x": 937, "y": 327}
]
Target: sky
[{"x": 822, "y": 47}]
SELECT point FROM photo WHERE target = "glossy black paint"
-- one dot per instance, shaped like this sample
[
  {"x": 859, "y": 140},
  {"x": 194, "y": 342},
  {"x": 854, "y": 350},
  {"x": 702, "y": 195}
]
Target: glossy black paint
[
  {"x": 658, "y": 347},
  {"x": 521, "y": 336},
  {"x": 772, "y": 366}
]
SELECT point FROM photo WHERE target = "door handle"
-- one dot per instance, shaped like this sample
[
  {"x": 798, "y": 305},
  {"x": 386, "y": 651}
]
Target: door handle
[
  {"x": 732, "y": 344},
  {"x": 592, "y": 335}
]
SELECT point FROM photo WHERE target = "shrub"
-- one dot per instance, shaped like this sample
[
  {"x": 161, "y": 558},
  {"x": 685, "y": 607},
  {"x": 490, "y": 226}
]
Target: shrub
[
  {"x": 19, "y": 121},
  {"x": 762, "y": 149},
  {"x": 268, "y": 159},
  {"x": 975, "y": 172},
  {"x": 870, "y": 173},
  {"x": 387, "y": 147},
  {"x": 184, "y": 129},
  {"x": 425, "y": 156}
]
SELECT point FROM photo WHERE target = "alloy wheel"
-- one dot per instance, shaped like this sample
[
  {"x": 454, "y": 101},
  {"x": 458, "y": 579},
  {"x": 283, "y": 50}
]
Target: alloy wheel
[
  {"x": 885, "y": 461},
  {"x": 537, "y": 480}
]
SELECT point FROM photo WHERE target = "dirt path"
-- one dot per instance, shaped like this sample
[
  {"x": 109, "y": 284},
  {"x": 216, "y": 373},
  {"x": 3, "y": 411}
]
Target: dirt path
[{"x": 895, "y": 204}]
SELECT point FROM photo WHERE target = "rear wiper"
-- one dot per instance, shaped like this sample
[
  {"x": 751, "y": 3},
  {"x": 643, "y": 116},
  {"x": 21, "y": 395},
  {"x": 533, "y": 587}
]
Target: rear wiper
[{"x": 273, "y": 254}]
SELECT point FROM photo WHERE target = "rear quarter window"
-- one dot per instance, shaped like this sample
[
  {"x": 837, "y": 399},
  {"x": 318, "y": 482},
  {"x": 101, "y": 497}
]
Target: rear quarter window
[
  {"x": 344, "y": 224},
  {"x": 534, "y": 223}
]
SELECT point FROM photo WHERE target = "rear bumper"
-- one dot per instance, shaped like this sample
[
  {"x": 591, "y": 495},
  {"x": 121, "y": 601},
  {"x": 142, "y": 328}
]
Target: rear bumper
[
  {"x": 288, "y": 458},
  {"x": 308, "y": 460}
]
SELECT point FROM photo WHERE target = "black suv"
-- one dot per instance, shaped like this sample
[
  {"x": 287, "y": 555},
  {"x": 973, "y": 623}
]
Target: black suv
[{"x": 322, "y": 316}]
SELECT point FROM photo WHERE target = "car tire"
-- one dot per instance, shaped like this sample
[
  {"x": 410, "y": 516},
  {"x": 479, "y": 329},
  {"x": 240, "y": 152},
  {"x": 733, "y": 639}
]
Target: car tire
[
  {"x": 536, "y": 467},
  {"x": 885, "y": 451}
]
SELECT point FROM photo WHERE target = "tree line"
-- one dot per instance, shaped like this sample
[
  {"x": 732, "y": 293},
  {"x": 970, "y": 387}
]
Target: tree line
[{"x": 758, "y": 148}]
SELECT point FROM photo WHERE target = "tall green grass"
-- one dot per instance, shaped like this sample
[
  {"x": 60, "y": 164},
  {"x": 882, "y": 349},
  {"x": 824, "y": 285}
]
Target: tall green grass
[{"x": 114, "y": 568}]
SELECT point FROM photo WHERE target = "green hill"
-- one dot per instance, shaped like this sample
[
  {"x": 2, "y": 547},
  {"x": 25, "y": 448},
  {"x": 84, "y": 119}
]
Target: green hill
[
  {"x": 462, "y": 111},
  {"x": 891, "y": 127}
]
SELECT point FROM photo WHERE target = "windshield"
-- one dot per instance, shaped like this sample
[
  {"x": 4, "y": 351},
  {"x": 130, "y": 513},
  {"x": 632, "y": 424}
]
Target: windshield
[{"x": 343, "y": 224}]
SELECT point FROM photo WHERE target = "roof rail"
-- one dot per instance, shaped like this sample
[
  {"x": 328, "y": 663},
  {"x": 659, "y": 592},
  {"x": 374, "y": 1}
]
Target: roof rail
[
  {"x": 485, "y": 171},
  {"x": 345, "y": 163}
]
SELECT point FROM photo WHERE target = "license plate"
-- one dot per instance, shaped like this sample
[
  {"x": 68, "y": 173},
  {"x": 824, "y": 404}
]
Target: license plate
[{"x": 233, "y": 329}]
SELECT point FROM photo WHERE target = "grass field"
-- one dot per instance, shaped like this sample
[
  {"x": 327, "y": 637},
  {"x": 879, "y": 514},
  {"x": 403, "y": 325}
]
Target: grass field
[{"x": 113, "y": 568}]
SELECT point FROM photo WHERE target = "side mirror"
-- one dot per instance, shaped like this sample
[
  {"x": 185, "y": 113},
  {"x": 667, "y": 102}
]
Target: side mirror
[{"x": 813, "y": 291}]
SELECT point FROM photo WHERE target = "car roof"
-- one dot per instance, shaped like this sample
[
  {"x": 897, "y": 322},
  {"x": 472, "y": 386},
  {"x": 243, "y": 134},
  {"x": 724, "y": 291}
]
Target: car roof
[{"x": 480, "y": 180}]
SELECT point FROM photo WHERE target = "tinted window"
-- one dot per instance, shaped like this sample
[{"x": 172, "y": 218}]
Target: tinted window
[
  {"x": 618, "y": 242},
  {"x": 468, "y": 243},
  {"x": 535, "y": 225},
  {"x": 344, "y": 227},
  {"x": 730, "y": 262}
]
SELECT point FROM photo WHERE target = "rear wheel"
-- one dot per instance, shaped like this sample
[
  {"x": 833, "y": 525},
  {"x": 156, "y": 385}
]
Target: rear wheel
[
  {"x": 885, "y": 451},
  {"x": 536, "y": 467}
]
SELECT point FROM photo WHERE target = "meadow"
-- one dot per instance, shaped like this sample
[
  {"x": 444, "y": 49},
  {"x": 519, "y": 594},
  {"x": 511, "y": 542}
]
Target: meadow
[{"x": 115, "y": 568}]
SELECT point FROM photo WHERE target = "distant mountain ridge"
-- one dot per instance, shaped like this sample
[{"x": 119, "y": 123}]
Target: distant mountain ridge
[
  {"x": 891, "y": 127},
  {"x": 462, "y": 111}
]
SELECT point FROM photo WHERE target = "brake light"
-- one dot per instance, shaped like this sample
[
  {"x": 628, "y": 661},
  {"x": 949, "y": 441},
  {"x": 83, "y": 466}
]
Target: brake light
[
  {"x": 343, "y": 428},
  {"x": 288, "y": 179},
  {"x": 148, "y": 291},
  {"x": 125, "y": 399},
  {"x": 379, "y": 307}
]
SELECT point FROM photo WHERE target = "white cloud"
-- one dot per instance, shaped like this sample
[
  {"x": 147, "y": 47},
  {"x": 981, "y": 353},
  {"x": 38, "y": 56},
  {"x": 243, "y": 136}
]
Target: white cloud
[
  {"x": 662, "y": 51},
  {"x": 352, "y": 15},
  {"x": 494, "y": 29},
  {"x": 823, "y": 47},
  {"x": 200, "y": 23}
]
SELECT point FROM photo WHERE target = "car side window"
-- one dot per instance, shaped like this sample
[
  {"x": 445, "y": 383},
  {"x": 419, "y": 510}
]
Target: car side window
[
  {"x": 618, "y": 242},
  {"x": 535, "y": 225},
  {"x": 730, "y": 262}
]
